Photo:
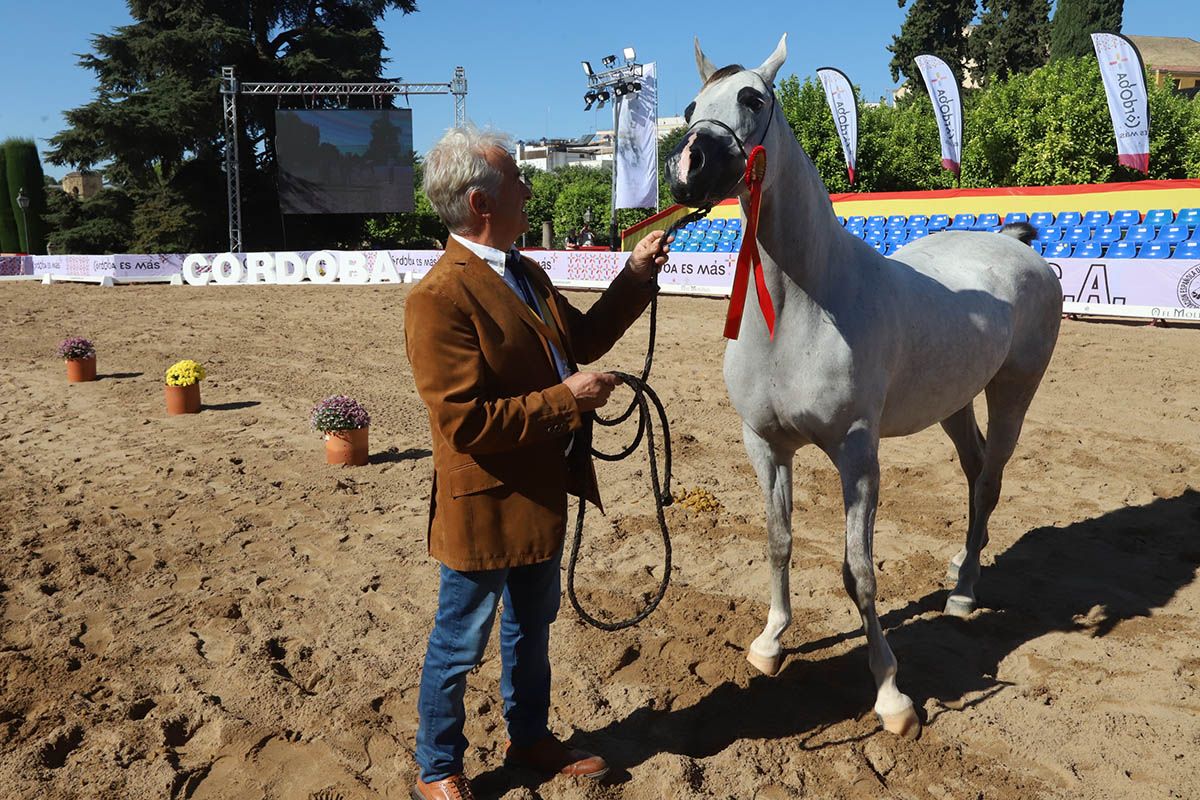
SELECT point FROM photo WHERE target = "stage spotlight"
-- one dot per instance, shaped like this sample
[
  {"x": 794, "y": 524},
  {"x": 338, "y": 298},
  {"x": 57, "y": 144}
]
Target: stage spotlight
[
  {"x": 630, "y": 55},
  {"x": 619, "y": 89},
  {"x": 602, "y": 97},
  {"x": 609, "y": 61},
  {"x": 587, "y": 68},
  {"x": 588, "y": 99},
  {"x": 635, "y": 87}
]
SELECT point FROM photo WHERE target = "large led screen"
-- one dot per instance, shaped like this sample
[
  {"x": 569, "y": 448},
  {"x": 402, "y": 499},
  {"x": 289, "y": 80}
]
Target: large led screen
[{"x": 345, "y": 162}]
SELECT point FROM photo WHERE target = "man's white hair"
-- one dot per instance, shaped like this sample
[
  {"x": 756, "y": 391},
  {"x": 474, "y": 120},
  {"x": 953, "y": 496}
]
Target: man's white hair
[{"x": 456, "y": 166}]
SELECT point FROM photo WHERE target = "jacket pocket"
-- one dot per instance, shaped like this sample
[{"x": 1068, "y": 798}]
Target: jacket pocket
[{"x": 471, "y": 479}]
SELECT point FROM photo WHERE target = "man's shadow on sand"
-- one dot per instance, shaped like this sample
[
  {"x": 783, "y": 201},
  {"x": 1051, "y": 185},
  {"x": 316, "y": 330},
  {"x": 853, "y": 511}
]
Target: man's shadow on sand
[{"x": 1085, "y": 577}]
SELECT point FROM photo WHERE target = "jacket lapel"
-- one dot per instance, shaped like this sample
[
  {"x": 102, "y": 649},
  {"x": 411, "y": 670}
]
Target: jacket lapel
[{"x": 501, "y": 301}]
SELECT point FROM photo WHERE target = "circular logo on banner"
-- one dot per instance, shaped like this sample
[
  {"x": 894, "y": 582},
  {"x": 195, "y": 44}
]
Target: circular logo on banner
[{"x": 1189, "y": 288}]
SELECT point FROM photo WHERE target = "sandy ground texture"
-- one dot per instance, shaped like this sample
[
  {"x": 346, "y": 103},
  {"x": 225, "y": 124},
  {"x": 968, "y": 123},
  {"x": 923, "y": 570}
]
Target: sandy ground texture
[{"x": 199, "y": 607}]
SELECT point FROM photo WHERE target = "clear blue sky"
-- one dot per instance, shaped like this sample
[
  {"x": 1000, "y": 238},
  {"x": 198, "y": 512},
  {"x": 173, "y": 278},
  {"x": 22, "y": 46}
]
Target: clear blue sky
[{"x": 522, "y": 58}]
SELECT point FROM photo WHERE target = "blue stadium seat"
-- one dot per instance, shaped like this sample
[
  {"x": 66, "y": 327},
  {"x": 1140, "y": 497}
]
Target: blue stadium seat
[
  {"x": 1015, "y": 216},
  {"x": 1065, "y": 219},
  {"x": 1076, "y": 234},
  {"x": 917, "y": 221},
  {"x": 719, "y": 222},
  {"x": 690, "y": 226},
  {"x": 859, "y": 232},
  {"x": 724, "y": 247},
  {"x": 702, "y": 224},
  {"x": 874, "y": 237},
  {"x": 1172, "y": 233},
  {"x": 736, "y": 224},
  {"x": 682, "y": 236},
  {"x": 1087, "y": 250},
  {"x": 1038, "y": 246},
  {"x": 857, "y": 228},
  {"x": 987, "y": 222},
  {"x": 708, "y": 247},
  {"x": 711, "y": 235},
  {"x": 1159, "y": 216},
  {"x": 1188, "y": 249},
  {"x": 917, "y": 233},
  {"x": 1059, "y": 250},
  {"x": 1139, "y": 233},
  {"x": 879, "y": 246},
  {"x": 1121, "y": 250},
  {"x": 962, "y": 222},
  {"x": 1107, "y": 234},
  {"x": 1155, "y": 250},
  {"x": 730, "y": 233},
  {"x": 1126, "y": 217},
  {"x": 890, "y": 247},
  {"x": 841, "y": 221},
  {"x": 690, "y": 247},
  {"x": 1051, "y": 234},
  {"x": 877, "y": 219},
  {"x": 896, "y": 236},
  {"x": 1094, "y": 219},
  {"x": 858, "y": 219},
  {"x": 1189, "y": 217},
  {"x": 897, "y": 221},
  {"x": 1041, "y": 219},
  {"x": 938, "y": 222}
]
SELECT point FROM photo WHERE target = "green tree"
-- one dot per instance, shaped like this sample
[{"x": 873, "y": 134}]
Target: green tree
[
  {"x": 23, "y": 173},
  {"x": 157, "y": 120},
  {"x": 1076, "y": 20},
  {"x": 102, "y": 224},
  {"x": 936, "y": 27},
  {"x": 808, "y": 114},
  {"x": 419, "y": 229},
  {"x": 10, "y": 240},
  {"x": 666, "y": 146},
  {"x": 1012, "y": 36}
]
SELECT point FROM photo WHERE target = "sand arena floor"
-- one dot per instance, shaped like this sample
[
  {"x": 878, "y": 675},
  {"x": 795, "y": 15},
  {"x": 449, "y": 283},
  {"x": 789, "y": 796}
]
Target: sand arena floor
[{"x": 199, "y": 607}]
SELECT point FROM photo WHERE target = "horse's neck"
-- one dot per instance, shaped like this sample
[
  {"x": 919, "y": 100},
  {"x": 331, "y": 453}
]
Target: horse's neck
[{"x": 796, "y": 227}]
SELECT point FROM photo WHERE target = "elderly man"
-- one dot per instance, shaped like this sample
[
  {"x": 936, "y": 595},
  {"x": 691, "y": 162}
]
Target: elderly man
[{"x": 494, "y": 348}]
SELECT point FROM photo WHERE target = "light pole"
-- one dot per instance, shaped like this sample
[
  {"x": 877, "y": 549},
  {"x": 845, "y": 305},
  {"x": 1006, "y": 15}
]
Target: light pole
[
  {"x": 613, "y": 83},
  {"x": 23, "y": 202}
]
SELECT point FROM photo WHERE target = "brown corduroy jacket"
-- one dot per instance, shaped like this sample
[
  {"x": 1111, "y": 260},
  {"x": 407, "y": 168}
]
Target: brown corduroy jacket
[{"x": 499, "y": 414}]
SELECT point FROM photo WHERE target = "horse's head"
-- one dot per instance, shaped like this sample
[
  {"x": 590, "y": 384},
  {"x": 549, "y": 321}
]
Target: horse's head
[{"x": 731, "y": 114}]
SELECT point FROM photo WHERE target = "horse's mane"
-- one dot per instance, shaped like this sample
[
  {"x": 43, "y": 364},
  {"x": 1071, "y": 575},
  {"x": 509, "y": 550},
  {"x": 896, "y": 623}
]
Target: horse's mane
[{"x": 723, "y": 72}]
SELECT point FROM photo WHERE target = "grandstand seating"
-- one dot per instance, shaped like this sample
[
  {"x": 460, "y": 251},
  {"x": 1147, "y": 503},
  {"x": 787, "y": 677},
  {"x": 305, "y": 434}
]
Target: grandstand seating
[{"x": 1122, "y": 233}]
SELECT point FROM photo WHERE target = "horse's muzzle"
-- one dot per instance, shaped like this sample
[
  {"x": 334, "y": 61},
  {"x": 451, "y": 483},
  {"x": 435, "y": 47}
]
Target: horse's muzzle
[{"x": 703, "y": 169}]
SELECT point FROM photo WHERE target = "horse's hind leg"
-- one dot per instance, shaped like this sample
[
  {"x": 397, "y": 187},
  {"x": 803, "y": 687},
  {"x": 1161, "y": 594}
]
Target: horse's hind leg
[
  {"x": 774, "y": 469},
  {"x": 1008, "y": 398},
  {"x": 857, "y": 460},
  {"x": 968, "y": 441}
]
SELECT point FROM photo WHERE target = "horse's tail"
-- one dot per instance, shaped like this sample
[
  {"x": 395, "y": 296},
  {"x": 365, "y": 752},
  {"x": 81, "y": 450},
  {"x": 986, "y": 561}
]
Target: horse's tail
[{"x": 1020, "y": 230}]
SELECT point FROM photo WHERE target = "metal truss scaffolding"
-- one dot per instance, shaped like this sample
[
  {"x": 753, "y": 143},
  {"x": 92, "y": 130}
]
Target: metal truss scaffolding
[{"x": 231, "y": 88}]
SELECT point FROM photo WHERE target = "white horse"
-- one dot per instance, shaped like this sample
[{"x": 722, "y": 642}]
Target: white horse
[{"x": 864, "y": 347}]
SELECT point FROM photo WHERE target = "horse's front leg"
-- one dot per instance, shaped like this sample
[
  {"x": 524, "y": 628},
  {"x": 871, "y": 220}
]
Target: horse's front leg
[
  {"x": 857, "y": 462},
  {"x": 774, "y": 469}
]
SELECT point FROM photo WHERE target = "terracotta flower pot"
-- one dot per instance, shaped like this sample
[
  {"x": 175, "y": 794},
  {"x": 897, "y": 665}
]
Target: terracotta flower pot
[
  {"x": 182, "y": 399},
  {"x": 348, "y": 447},
  {"x": 80, "y": 370}
]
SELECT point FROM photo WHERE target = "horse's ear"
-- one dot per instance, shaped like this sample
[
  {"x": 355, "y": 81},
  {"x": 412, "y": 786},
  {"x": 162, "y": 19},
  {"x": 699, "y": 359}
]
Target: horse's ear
[
  {"x": 774, "y": 61},
  {"x": 705, "y": 66}
]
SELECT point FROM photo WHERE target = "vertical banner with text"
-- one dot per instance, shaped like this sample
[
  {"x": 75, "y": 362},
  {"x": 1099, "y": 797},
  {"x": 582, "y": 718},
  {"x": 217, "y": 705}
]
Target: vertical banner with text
[
  {"x": 637, "y": 145},
  {"x": 844, "y": 106},
  {"x": 947, "y": 107},
  {"x": 1125, "y": 88}
]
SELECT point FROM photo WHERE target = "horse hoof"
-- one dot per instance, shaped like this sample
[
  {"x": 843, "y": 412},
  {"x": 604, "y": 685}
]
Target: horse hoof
[
  {"x": 904, "y": 723},
  {"x": 767, "y": 665},
  {"x": 958, "y": 605}
]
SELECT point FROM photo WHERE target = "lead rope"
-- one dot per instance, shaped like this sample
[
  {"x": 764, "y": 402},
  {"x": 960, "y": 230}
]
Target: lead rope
[{"x": 643, "y": 397}]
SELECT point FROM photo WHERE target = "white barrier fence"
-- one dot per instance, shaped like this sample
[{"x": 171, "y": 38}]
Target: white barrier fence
[{"x": 1148, "y": 288}]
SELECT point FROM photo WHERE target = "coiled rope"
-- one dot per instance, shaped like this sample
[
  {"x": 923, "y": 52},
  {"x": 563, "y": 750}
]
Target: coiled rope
[{"x": 643, "y": 398}]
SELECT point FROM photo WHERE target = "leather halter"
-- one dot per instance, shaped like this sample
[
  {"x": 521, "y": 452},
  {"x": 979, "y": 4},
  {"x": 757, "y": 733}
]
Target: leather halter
[{"x": 737, "y": 139}]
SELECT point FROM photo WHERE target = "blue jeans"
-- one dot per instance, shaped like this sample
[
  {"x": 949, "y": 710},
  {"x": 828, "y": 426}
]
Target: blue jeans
[{"x": 466, "y": 609}]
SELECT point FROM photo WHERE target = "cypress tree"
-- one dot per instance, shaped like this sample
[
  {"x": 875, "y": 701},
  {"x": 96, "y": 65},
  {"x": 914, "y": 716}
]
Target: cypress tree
[
  {"x": 936, "y": 27},
  {"x": 1012, "y": 37},
  {"x": 23, "y": 171},
  {"x": 1076, "y": 20},
  {"x": 10, "y": 240}
]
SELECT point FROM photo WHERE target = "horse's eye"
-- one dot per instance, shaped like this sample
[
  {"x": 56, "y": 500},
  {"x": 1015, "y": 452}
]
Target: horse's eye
[
  {"x": 751, "y": 99},
  {"x": 687, "y": 112}
]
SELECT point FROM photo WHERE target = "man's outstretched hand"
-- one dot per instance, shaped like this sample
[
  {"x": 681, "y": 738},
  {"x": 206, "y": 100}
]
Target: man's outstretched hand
[{"x": 646, "y": 260}]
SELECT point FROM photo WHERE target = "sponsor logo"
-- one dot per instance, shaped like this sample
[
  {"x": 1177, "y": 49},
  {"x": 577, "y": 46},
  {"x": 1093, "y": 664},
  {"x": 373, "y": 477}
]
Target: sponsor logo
[{"x": 1189, "y": 288}]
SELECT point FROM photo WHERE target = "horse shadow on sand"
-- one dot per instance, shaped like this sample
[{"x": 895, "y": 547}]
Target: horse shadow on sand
[{"x": 1085, "y": 577}]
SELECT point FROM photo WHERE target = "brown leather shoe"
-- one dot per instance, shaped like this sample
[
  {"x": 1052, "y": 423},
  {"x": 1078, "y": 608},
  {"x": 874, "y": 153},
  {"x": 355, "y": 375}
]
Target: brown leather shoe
[
  {"x": 455, "y": 787},
  {"x": 549, "y": 755}
]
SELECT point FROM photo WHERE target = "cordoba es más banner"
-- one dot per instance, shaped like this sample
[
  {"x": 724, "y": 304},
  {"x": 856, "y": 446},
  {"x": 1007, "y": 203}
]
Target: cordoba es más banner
[{"x": 1125, "y": 87}]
